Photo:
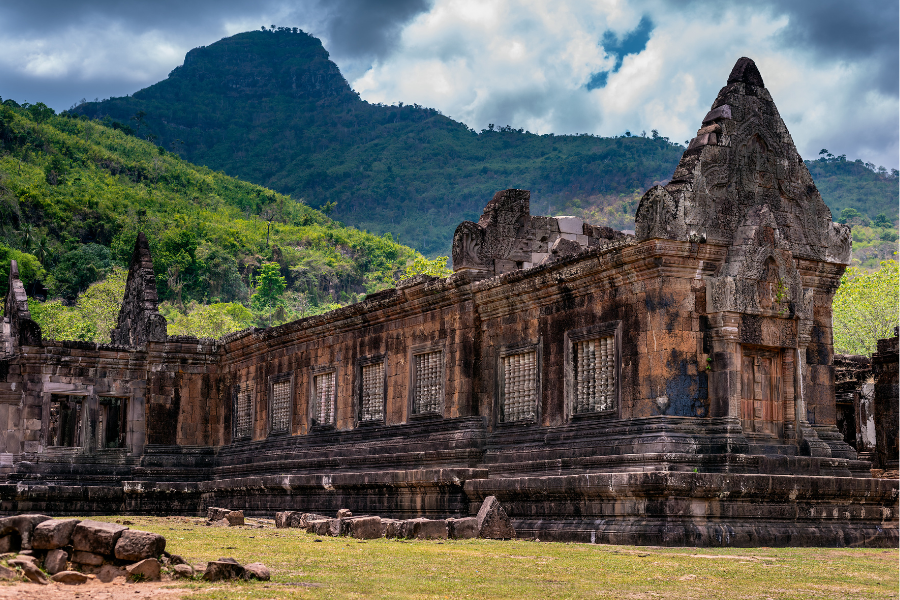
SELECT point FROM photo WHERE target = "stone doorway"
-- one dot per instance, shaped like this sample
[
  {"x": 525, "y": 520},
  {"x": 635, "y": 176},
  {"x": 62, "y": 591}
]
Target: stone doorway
[{"x": 762, "y": 406}]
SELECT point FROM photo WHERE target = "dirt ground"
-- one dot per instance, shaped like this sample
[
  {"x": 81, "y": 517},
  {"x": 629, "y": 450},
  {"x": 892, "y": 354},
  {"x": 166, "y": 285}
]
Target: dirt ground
[{"x": 165, "y": 590}]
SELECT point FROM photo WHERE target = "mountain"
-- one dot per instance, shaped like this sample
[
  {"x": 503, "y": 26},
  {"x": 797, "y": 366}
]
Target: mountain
[
  {"x": 74, "y": 194},
  {"x": 270, "y": 107}
]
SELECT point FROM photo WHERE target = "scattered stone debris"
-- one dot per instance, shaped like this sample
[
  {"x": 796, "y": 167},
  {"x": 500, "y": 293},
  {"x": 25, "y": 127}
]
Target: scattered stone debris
[
  {"x": 224, "y": 517},
  {"x": 75, "y": 551},
  {"x": 492, "y": 522},
  {"x": 228, "y": 568}
]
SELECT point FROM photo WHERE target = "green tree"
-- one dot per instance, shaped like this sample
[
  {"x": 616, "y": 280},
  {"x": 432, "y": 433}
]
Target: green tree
[
  {"x": 94, "y": 315},
  {"x": 270, "y": 285},
  {"x": 865, "y": 308},
  {"x": 30, "y": 268},
  {"x": 436, "y": 267},
  {"x": 207, "y": 320}
]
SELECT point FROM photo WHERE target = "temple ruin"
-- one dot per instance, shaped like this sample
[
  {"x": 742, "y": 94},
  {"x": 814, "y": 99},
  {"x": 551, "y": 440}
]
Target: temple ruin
[{"x": 672, "y": 387}]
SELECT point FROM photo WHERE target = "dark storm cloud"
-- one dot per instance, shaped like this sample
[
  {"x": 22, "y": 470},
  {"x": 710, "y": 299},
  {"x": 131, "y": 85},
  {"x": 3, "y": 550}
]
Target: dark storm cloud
[
  {"x": 366, "y": 28},
  {"x": 852, "y": 31},
  {"x": 838, "y": 30}
]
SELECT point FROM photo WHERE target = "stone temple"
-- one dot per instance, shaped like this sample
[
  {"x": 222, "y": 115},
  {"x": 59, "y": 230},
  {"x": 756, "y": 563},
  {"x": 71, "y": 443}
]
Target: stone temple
[{"x": 672, "y": 387}]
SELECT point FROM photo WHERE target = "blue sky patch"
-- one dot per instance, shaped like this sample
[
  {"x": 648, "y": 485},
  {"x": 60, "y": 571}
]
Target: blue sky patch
[{"x": 632, "y": 42}]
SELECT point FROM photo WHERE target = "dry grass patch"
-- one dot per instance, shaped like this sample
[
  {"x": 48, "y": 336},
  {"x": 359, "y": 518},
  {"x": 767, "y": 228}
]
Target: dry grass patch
[{"x": 308, "y": 566}]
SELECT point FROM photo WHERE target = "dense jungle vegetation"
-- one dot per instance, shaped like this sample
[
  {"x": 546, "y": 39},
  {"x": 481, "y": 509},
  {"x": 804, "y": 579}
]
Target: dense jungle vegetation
[
  {"x": 270, "y": 107},
  {"x": 74, "y": 193}
]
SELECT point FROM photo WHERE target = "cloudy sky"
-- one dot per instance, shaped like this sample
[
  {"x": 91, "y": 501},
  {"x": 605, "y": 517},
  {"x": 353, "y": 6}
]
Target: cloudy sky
[{"x": 563, "y": 66}]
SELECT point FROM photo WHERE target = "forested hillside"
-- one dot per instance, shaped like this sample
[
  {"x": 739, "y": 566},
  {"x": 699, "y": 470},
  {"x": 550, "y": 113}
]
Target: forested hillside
[
  {"x": 74, "y": 194},
  {"x": 271, "y": 108}
]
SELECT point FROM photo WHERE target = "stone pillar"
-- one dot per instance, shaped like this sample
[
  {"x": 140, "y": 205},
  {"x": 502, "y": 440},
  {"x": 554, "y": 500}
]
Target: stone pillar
[
  {"x": 725, "y": 374},
  {"x": 885, "y": 369}
]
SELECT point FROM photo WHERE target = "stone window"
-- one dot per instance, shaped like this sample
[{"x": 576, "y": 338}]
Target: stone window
[
  {"x": 243, "y": 411},
  {"x": 428, "y": 382},
  {"x": 595, "y": 374},
  {"x": 324, "y": 398},
  {"x": 592, "y": 370},
  {"x": 371, "y": 395},
  {"x": 66, "y": 421},
  {"x": 112, "y": 425},
  {"x": 520, "y": 386},
  {"x": 280, "y": 405}
]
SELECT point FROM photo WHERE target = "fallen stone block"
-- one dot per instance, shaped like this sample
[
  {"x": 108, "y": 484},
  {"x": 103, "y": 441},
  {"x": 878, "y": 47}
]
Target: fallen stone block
[
  {"x": 176, "y": 559},
  {"x": 493, "y": 522},
  {"x": 137, "y": 545},
  {"x": 53, "y": 534},
  {"x": 235, "y": 517},
  {"x": 257, "y": 571},
  {"x": 365, "y": 528},
  {"x": 30, "y": 570},
  {"x": 283, "y": 519},
  {"x": 463, "y": 529},
  {"x": 97, "y": 537},
  {"x": 344, "y": 513},
  {"x": 108, "y": 573},
  {"x": 219, "y": 570},
  {"x": 87, "y": 558},
  {"x": 145, "y": 570},
  {"x": 426, "y": 529},
  {"x": 336, "y": 527},
  {"x": 10, "y": 543},
  {"x": 23, "y": 525},
  {"x": 391, "y": 528},
  {"x": 216, "y": 514},
  {"x": 8, "y": 574},
  {"x": 319, "y": 526},
  {"x": 70, "y": 577},
  {"x": 183, "y": 571},
  {"x": 56, "y": 561}
]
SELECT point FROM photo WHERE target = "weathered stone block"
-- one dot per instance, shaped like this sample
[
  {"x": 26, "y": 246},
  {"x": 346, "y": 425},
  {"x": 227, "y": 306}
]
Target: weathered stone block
[
  {"x": 54, "y": 533},
  {"x": 145, "y": 570},
  {"x": 426, "y": 529},
  {"x": 257, "y": 571},
  {"x": 70, "y": 577},
  {"x": 219, "y": 570},
  {"x": 56, "y": 561},
  {"x": 365, "y": 528},
  {"x": 493, "y": 522},
  {"x": 235, "y": 518},
  {"x": 137, "y": 545},
  {"x": 463, "y": 529},
  {"x": 96, "y": 536}
]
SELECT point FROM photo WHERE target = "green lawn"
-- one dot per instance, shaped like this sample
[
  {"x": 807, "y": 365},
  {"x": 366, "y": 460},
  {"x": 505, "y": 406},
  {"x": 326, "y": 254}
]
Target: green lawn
[{"x": 308, "y": 566}]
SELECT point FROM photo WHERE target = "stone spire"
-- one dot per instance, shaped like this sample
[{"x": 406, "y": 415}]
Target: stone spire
[
  {"x": 139, "y": 318},
  {"x": 743, "y": 158},
  {"x": 17, "y": 326}
]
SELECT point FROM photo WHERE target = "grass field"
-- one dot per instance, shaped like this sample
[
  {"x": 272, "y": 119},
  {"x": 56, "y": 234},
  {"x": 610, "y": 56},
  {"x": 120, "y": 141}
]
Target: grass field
[{"x": 308, "y": 566}]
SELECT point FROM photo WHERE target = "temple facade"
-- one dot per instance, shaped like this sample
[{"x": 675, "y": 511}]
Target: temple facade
[{"x": 675, "y": 386}]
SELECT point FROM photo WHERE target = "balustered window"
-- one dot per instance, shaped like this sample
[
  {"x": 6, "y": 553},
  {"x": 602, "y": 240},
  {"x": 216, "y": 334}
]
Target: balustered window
[
  {"x": 371, "y": 394},
  {"x": 280, "y": 406},
  {"x": 428, "y": 382},
  {"x": 324, "y": 398},
  {"x": 592, "y": 379},
  {"x": 243, "y": 411},
  {"x": 519, "y": 387}
]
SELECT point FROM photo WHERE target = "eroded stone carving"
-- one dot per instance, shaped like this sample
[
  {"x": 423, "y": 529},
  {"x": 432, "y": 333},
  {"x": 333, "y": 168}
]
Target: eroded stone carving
[{"x": 139, "y": 318}]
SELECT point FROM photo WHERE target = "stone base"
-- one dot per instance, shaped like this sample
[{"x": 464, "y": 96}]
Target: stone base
[{"x": 698, "y": 509}]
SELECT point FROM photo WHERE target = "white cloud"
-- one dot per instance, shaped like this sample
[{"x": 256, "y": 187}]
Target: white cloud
[{"x": 526, "y": 64}]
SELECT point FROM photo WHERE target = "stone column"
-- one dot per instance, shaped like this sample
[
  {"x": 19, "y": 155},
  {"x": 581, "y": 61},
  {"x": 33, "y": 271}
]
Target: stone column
[{"x": 725, "y": 374}]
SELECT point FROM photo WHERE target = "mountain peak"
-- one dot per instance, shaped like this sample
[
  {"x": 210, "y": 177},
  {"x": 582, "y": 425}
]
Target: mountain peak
[{"x": 260, "y": 63}]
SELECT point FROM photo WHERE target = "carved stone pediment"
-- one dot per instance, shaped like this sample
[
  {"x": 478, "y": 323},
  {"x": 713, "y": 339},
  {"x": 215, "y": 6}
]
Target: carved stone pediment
[
  {"x": 468, "y": 240},
  {"x": 742, "y": 158},
  {"x": 759, "y": 276}
]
